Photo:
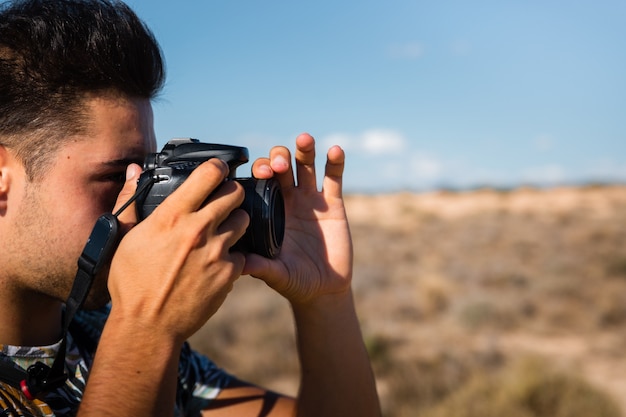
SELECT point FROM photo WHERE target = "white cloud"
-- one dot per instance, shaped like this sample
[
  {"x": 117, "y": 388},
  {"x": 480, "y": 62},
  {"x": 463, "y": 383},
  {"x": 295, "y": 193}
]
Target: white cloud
[
  {"x": 371, "y": 142},
  {"x": 386, "y": 159},
  {"x": 383, "y": 141},
  {"x": 426, "y": 167}
]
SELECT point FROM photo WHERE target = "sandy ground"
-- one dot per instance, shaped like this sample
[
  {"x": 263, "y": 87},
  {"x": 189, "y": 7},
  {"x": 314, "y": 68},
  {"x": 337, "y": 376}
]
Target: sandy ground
[
  {"x": 596, "y": 353},
  {"x": 448, "y": 278}
]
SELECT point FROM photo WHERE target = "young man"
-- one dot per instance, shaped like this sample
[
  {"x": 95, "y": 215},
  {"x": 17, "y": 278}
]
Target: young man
[{"x": 76, "y": 80}]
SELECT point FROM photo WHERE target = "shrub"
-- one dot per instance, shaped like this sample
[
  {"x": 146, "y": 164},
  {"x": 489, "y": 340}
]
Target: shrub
[{"x": 529, "y": 388}]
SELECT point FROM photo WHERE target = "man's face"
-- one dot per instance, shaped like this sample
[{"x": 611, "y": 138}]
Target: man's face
[{"x": 55, "y": 214}]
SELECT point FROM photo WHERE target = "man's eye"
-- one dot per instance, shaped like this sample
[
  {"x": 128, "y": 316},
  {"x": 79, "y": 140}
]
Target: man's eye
[{"x": 118, "y": 177}]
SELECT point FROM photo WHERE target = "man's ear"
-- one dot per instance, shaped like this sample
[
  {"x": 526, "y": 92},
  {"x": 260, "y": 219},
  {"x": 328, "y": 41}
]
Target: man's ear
[
  {"x": 4, "y": 162},
  {"x": 5, "y": 177}
]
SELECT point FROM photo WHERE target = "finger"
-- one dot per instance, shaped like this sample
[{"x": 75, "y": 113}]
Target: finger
[
  {"x": 267, "y": 270},
  {"x": 221, "y": 203},
  {"x": 193, "y": 192},
  {"x": 128, "y": 217},
  {"x": 333, "y": 178},
  {"x": 277, "y": 165},
  {"x": 280, "y": 164},
  {"x": 305, "y": 161},
  {"x": 261, "y": 168},
  {"x": 234, "y": 227},
  {"x": 238, "y": 260}
]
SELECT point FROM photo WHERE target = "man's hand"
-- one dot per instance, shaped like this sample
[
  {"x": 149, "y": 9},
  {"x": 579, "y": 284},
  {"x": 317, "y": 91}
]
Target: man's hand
[
  {"x": 314, "y": 272},
  {"x": 316, "y": 255},
  {"x": 174, "y": 268}
]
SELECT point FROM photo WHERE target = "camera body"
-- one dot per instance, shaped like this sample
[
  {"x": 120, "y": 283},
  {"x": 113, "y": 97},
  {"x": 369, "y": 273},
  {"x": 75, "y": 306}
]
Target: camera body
[{"x": 165, "y": 171}]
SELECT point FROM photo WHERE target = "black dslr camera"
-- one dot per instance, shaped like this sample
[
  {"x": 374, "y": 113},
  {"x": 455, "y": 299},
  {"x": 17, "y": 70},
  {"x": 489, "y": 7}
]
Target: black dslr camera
[{"x": 165, "y": 171}]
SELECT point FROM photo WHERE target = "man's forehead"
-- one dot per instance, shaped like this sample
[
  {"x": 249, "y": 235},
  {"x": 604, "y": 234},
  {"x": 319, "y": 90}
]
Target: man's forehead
[{"x": 125, "y": 123}]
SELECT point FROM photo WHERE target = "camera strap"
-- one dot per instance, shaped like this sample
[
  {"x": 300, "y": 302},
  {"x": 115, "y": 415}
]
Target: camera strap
[
  {"x": 99, "y": 249},
  {"x": 40, "y": 378}
]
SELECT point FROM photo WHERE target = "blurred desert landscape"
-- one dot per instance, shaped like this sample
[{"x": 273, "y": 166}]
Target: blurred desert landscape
[{"x": 472, "y": 303}]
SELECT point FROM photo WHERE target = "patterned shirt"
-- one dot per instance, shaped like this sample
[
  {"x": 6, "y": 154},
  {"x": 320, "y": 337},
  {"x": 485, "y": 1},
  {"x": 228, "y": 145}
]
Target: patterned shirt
[{"x": 199, "y": 379}]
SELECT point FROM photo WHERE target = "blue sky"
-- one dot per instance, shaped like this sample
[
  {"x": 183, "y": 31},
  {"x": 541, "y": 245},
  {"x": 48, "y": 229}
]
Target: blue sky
[{"x": 421, "y": 94}]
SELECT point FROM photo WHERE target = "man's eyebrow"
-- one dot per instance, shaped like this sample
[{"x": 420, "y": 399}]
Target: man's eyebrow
[{"x": 115, "y": 163}]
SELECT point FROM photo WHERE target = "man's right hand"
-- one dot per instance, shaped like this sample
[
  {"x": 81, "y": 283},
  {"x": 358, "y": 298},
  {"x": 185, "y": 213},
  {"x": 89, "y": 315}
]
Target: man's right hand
[{"x": 174, "y": 269}]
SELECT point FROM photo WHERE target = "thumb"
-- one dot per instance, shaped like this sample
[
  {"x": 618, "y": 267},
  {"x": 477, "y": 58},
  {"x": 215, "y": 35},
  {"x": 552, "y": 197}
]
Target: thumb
[
  {"x": 128, "y": 217},
  {"x": 271, "y": 271}
]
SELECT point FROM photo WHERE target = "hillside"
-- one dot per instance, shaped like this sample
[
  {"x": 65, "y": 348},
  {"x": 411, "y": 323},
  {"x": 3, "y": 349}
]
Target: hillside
[{"x": 456, "y": 290}]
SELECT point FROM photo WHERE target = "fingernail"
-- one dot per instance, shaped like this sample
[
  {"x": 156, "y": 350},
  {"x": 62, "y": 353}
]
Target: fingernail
[
  {"x": 130, "y": 173},
  {"x": 279, "y": 161},
  {"x": 265, "y": 169}
]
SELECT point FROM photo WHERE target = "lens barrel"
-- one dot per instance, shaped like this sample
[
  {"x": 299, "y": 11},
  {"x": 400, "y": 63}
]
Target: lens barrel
[{"x": 264, "y": 204}]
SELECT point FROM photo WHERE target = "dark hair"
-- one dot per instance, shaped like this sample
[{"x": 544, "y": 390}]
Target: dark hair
[{"x": 55, "y": 54}]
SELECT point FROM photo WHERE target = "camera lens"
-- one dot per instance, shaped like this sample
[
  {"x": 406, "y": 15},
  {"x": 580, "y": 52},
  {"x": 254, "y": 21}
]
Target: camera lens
[{"x": 264, "y": 204}]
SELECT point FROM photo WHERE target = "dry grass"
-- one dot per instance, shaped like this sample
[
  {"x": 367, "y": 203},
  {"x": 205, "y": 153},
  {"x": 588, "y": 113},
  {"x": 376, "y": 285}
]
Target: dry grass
[
  {"x": 527, "y": 388},
  {"x": 453, "y": 291}
]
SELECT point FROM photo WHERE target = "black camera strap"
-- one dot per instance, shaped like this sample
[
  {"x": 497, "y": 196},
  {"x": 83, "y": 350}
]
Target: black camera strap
[
  {"x": 99, "y": 249},
  {"x": 40, "y": 378}
]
